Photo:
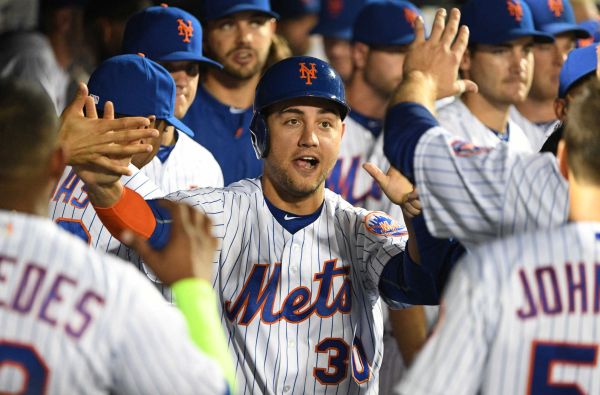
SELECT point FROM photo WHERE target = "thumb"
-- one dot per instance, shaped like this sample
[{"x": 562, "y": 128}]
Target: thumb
[
  {"x": 462, "y": 86},
  {"x": 379, "y": 176},
  {"x": 78, "y": 102}
]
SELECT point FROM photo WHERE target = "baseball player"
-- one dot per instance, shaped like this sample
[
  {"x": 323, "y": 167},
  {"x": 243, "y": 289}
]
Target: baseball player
[
  {"x": 520, "y": 314},
  {"x": 75, "y": 320},
  {"x": 297, "y": 19},
  {"x": 299, "y": 268},
  {"x": 239, "y": 35},
  {"x": 173, "y": 38},
  {"x": 536, "y": 115},
  {"x": 336, "y": 20}
]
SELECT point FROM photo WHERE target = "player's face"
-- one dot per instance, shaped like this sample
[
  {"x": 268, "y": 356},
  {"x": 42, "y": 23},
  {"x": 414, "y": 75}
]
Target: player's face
[
  {"x": 383, "y": 69},
  {"x": 339, "y": 55},
  {"x": 304, "y": 137},
  {"x": 186, "y": 75},
  {"x": 241, "y": 43},
  {"x": 549, "y": 59},
  {"x": 503, "y": 73},
  {"x": 141, "y": 160},
  {"x": 297, "y": 32}
]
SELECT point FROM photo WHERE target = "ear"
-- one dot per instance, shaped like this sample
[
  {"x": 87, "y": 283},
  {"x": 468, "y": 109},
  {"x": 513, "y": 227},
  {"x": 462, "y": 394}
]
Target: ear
[
  {"x": 343, "y": 128},
  {"x": 465, "y": 62},
  {"x": 57, "y": 164},
  {"x": 560, "y": 109},
  {"x": 561, "y": 156},
  {"x": 273, "y": 25},
  {"x": 360, "y": 54}
]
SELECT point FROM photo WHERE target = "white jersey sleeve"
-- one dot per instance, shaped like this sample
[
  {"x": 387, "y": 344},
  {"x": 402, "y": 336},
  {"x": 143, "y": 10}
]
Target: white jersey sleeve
[
  {"x": 536, "y": 134},
  {"x": 476, "y": 194},
  {"x": 73, "y": 320},
  {"x": 188, "y": 166}
]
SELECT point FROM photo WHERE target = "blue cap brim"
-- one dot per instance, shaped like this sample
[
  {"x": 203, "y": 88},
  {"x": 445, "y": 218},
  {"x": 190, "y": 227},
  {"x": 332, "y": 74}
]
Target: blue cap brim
[
  {"x": 180, "y": 126},
  {"x": 514, "y": 34},
  {"x": 184, "y": 55},
  {"x": 241, "y": 8},
  {"x": 564, "y": 27}
]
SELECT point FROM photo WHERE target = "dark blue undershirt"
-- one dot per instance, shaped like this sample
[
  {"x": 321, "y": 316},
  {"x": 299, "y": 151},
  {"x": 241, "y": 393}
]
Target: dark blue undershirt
[
  {"x": 165, "y": 150},
  {"x": 373, "y": 125},
  {"x": 293, "y": 222},
  {"x": 502, "y": 136}
]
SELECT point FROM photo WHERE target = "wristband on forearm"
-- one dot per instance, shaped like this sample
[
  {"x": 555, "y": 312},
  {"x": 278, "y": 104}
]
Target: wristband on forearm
[{"x": 197, "y": 301}]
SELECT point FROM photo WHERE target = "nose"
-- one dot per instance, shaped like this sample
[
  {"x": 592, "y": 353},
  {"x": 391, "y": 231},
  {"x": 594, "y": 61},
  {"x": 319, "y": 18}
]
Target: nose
[
  {"x": 309, "y": 137},
  {"x": 244, "y": 33}
]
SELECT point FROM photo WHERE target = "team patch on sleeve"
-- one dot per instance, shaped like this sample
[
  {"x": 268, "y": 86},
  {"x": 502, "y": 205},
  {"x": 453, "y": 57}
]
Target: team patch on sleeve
[
  {"x": 381, "y": 224},
  {"x": 464, "y": 149}
]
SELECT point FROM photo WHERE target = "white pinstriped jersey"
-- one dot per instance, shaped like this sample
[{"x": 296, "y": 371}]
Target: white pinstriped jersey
[
  {"x": 76, "y": 321},
  {"x": 345, "y": 177},
  {"x": 520, "y": 316},
  {"x": 537, "y": 134},
  {"x": 476, "y": 194},
  {"x": 188, "y": 166},
  {"x": 302, "y": 310},
  {"x": 69, "y": 206},
  {"x": 457, "y": 118}
]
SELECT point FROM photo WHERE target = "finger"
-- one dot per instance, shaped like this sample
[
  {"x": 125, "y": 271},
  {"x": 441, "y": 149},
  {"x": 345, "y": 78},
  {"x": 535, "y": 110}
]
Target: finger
[
  {"x": 123, "y": 123},
  {"x": 411, "y": 210},
  {"x": 462, "y": 86},
  {"x": 598, "y": 61},
  {"x": 123, "y": 137},
  {"x": 419, "y": 30},
  {"x": 78, "y": 103},
  {"x": 109, "y": 110},
  {"x": 90, "y": 108},
  {"x": 139, "y": 244},
  {"x": 122, "y": 151},
  {"x": 111, "y": 167},
  {"x": 438, "y": 25},
  {"x": 462, "y": 42},
  {"x": 376, "y": 173},
  {"x": 451, "y": 28}
]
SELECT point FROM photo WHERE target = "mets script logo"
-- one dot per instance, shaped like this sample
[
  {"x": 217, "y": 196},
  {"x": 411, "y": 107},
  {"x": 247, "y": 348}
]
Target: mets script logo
[
  {"x": 308, "y": 74},
  {"x": 185, "y": 30},
  {"x": 334, "y": 7},
  {"x": 381, "y": 224},
  {"x": 464, "y": 149},
  {"x": 261, "y": 296},
  {"x": 411, "y": 16},
  {"x": 515, "y": 9},
  {"x": 556, "y": 6}
]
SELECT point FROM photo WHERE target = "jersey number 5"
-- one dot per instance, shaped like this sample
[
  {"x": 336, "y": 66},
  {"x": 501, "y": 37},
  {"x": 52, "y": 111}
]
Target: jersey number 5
[
  {"x": 546, "y": 355},
  {"x": 24, "y": 359}
]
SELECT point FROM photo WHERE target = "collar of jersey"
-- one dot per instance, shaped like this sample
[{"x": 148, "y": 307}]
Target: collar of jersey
[
  {"x": 373, "y": 125},
  {"x": 294, "y": 222},
  {"x": 502, "y": 136}
]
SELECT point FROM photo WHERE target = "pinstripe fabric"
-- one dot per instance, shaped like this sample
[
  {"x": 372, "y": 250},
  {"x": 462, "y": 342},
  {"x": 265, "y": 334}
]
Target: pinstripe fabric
[
  {"x": 94, "y": 322},
  {"x": 275, "y": 341},
  {"x": 506, "y": 302},
  {"x": 189, "y": 165}
]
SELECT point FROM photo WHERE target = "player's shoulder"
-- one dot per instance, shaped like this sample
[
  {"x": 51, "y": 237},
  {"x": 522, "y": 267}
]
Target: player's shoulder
[{"x": 242, "y": 189}]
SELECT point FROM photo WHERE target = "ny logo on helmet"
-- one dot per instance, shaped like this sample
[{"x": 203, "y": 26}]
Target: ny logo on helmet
[
  {"x": 185, "y": 30},
  {"x": 515, "y": 9},
  {"x": 556, "y": 6},
  {"x": 308, "y": 74}
]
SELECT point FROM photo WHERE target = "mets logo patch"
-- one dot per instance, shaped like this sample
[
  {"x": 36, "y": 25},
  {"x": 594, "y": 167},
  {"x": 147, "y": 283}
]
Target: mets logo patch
[
  {"x": 465, "y": 149},
  {"x": 515, "y": 9},
  {"x": 381, "y": 224},
  {"x": 557, "y": 7}
]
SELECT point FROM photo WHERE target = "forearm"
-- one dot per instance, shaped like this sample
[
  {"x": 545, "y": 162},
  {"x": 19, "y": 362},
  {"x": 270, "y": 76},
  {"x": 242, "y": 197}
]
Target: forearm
[
  {"x": 409, "y": 327},
  {"x": 198, "y": 302},
  {"x": 416, "y": 87},
  {"x": 104, "y": 196}
]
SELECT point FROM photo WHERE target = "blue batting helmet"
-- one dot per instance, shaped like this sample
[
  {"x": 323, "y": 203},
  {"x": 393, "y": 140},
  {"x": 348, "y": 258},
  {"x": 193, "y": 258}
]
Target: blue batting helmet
[{"x": 292, "y": 78}]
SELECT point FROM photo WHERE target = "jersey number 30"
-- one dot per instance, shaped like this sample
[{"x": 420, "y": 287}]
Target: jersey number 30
[
  {"x": 546, "y": 355},
  {"x": 24, "y": 359}
]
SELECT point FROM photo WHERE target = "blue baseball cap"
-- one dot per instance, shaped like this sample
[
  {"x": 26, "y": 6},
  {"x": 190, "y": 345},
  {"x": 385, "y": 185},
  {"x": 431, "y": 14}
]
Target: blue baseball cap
[
  {"x": 555, "y": 17},
  {"x": 398, "y": 17},
  {"x": 216, "y": 9},
  {"x": 165, "y": 34},
  {"x": 580, "y": 63},
  {"x": 592, "y": 26},
  {"x": 137, "y": 86},
  {"x": 288, "y": 9},
  {"x": 336, "y": 19},
  {"x": 496, "y": 22}
]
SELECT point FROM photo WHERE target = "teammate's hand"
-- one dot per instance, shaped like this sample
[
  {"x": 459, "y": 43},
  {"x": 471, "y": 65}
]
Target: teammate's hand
[
  {"x": 395, "y": 186},
  {"x": 412, "y": 206},
  {"x": 97, "y": 142},
  {"x": 431, "y": 65},
  {"x": 189, "y": 252}
]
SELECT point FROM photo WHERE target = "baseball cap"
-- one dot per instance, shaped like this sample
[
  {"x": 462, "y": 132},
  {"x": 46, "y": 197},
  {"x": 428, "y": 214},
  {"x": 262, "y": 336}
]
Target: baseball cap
[
  {"x": 555, "y": 17},
  {"x": 593, "y": 28},
  {"x": 165, "y": 34},
  {"x": 215, "y": 9},
  {"x": 137, "y": 86},
  {"x": 495, "y": 22},
  {"x": 288, "y": 9},
  {"x": 580, "y": 63},
  {"x": 336, "y": 18},
  {"x": 397, "y": 16}
]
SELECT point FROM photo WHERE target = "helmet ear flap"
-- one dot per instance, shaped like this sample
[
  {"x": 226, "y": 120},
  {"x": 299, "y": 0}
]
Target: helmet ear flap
[{"x": 259, "y": 133}]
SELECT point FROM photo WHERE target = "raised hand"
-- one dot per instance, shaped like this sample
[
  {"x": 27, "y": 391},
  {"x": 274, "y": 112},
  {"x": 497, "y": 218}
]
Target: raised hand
[
  {"x": 189, "y": 251},
  {"x": 99, "y": 143},
  {"x": 395, "y": 186}
]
